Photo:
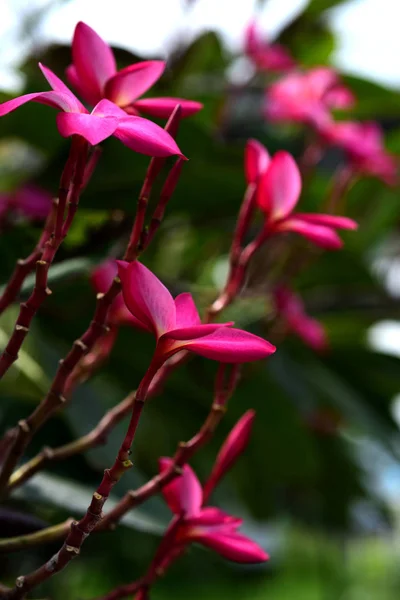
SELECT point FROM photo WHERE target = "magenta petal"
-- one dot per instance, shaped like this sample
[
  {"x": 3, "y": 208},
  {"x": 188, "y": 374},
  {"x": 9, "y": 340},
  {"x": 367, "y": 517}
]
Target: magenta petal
[
  {"x": 231, "y": 346},
  {"x": 101, "y": 279},
  {"x": 280, "y": 186},
  {"x": 133, "y": 81},
  {"x": 93, "y": 59},
  {"x": 328, "y": 220},
  {"x": 186, "y": 311},
  {"x": 141, "y": 135},
  {"x": 325, "y": 237},
  {"x": 231, "y": 449},
  {"x": 94, "y": 129},
  {"x": 210, "y": 515},
  {"x": 146, "y": 297},
  {"x": 59, "y": 86},
  {"x": 183, "y": 494},
  {"x": 233, "y": 546},
  {"x": 256, "y": 160},
  {"x": 195, "y": 331},
  {"x": 163, "y": 107},
  {"x": 53, "y": 99}
]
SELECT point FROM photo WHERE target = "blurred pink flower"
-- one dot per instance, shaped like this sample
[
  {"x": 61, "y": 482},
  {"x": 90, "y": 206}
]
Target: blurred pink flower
[
  {"x": 264, "y": 55},
  {"x": 94, "y": 75},
  {"x": 307, "y": 97},
  {"x": 28, "y": 200},
  {"x": 106, "y": 119},
  {"x": 176, "y": 323},
  {"x": 291, "y": 309},
  {"x": 364, "y": 146},
  {"x": 278, "y": 193},
  {"x": 209, "y": 526}
]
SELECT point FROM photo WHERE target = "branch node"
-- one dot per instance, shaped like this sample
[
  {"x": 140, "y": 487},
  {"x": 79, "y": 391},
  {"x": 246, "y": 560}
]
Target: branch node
[
  {"x": 23, "y": 425},
  {"x": 19, "y": 582},
  {"x": 81, "y": 345}
]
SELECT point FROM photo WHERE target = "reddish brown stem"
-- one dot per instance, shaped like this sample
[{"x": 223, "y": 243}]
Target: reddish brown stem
[
  {"x": 25, "y": 266},
  {"x": 28, "y": 309}
]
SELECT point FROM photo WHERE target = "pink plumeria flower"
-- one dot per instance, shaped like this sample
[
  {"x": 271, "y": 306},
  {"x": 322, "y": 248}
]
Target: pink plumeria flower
[
  {"x": 291, "y": 309},
  {"x": 364, "y": 146},
  {"x": 307, "y": 97},
  {"x": 208, "y": 525},
  {"x": 106, "y": 119},
  {"x": 265, "y": 56},
  {"x": 176, "y": 323},
  {"x": 29, "y": 201},
  {"x": 94, "y": 75},
  {"x": 231, "y": 449},
  {"x": 278, "y": 193}
]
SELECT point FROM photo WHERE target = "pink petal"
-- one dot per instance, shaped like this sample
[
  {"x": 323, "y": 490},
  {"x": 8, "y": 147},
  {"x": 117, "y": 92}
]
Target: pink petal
[
  {"x": 76, "y": 83},
  {"x": 328, "y": 220},
  {"x": 59, "y": 86},
  {"x": 186, "y": 311},
  {"x": 235, "y": 547},
  {"x": 163, "y": 107},
  {"x": 312, "y": 332},
  {"x": 231, "y": 449},
  {"x": 195, "y": 331},
  {"x": 93, "y": 59},
  {"x": 211, "y": 516},
  {"x": 33, "y": 201},
  {"x": 280, "y": 186},
  {"x": 325, "y": 237},
  {"x": 101, "y": 279},
  {"x": 321, "y": 79},
  {"x": 54, "y": 99},
  {"x": 94, "y": 129},
  {"x": 133, "y": 81},
  {"x": 141, "y": 135},
  {"x": 340, "y": 97},
  {"x": 256, "y": 160},
  {"x": 183, "y": 494},
  {"x": 230, "y": 346},
  {"x": 146, "y": 297}
]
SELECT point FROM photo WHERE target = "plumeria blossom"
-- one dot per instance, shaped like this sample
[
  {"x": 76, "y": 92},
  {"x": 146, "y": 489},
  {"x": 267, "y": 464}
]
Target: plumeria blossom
[
  {"x": 307, "y": 97},
  {"x": 364, "y": 146},
  {"x": 256, "y": 161},
  {"x": 230, "y": 451},
  {"x": 176, "y": 323},
  {"x": 207, "y": 525},
  {"x": 291, "y": 309},
  {"x": 94, "y": 75},
  {"x": 265, "y": 56},
  {"x": 278, "y": 193},
  {"x": 29, "y": 201},
  {"x": 106, "y": 119}
]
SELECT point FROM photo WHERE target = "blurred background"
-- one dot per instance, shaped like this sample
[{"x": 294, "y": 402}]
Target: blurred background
[{"x": 319, "y": 485}]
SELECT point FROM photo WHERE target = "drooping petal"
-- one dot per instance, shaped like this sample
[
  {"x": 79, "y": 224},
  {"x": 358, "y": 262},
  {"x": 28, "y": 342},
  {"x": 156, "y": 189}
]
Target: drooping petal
[
  {"x": 186, "y": 311},
  {"x": 311, "y": 331},
  {"x": 231, "y": 449},
  {"x": 163, "y": 107},
  {"x": 183, "y": 494},
  {"x": 234, "y": 546},
  {"x": 325, "y": 237},
  {"x": 146, "y": 297},
  {"x": 59, "y": 86},
  {"x": 133, "y": 81},
  {"x": 94, "y": 129},
  {"x": 280, "y": 186},
  {"x": 195, "y": 331},
  {"x": 54, "y": 99},
  {"x": 93, "y": 59},
  {"x": 256, "y": 160},
  {"x": 141, "y": 135},
  {"x": 230, "y": 346},
  {"x": 101, "y": 279},
  {"x": 328, "y": 220}
]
